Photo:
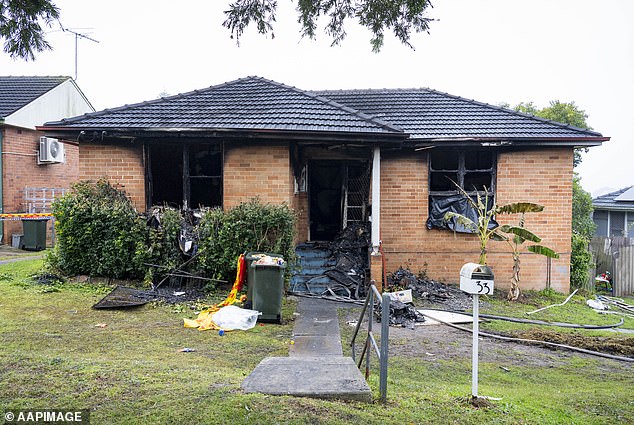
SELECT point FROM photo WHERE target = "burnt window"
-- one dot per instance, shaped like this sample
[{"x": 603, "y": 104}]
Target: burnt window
[
  {"x": 471, "y": 170},
  {"x": 185, "y": 174}
]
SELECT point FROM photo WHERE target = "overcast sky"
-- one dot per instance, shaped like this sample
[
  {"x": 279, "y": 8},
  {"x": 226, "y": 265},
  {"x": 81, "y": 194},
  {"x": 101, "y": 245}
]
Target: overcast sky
[{"x": 490, "y": 50}]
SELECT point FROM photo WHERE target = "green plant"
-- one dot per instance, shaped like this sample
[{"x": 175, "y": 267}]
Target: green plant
[
  {"x": 251, "y": 226},
  {"x": 485, "y": 226},
  {"x": 583, "y": 229},
  {"x": 515, "y": 236},
  {"x": 580, "y": 261},
  {"x": 98, "y": 232}
]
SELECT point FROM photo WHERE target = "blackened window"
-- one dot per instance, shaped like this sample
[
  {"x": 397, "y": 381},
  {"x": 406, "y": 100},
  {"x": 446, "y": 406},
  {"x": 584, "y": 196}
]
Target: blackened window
[
  {"x": 186, "y": 174},
  {"x": 471, "y": 170}
]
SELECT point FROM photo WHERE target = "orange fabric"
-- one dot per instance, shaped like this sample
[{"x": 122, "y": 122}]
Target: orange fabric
[{"x": 203, "y": 322}]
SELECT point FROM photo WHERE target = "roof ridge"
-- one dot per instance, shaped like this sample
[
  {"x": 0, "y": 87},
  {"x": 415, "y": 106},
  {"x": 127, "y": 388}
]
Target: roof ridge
[{"x": 366, "y": 117}]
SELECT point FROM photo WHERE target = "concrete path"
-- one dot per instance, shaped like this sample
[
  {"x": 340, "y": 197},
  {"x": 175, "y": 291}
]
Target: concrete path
[
  {"x": 316, "y": 366},
  {"x": 8, "y": 254}
]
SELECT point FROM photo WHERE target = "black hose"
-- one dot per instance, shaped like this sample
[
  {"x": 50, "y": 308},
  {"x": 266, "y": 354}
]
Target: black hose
[
  {"x": 560, "y": 324},
  {"x": 534, "y": 341}
]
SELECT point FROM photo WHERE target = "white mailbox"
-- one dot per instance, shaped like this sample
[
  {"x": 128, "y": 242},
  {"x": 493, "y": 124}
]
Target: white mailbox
[{"x": 476, "y": 279}]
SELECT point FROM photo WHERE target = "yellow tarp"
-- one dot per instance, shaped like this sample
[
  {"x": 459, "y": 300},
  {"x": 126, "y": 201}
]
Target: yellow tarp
[{"x": 203, "y": 322}]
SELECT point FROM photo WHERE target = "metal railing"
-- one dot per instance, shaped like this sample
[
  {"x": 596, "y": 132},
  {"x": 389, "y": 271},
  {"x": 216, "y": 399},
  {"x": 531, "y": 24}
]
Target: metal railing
[{"x": 370, "y": 342}]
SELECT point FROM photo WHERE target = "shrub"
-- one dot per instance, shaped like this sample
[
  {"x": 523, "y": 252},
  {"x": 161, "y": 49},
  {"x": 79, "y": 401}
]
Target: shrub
[
  {"x": 580, "y": 261},
  {"x": 251, "y": 226},
  {"x": 98, "y": 232}
]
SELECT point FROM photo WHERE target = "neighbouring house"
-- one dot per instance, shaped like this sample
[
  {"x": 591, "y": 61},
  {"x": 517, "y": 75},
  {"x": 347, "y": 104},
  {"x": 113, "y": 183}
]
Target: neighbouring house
[
  {"x": 338, "y": 157},
  {"x": 34, "y": 170},
  {"x": 614, "y": 213}
]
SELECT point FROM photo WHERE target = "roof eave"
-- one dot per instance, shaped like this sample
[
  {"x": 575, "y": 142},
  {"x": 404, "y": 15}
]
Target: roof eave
[
  {"x": 94, "y": 134},
  {"x": 576, "y": 142},
  {"x": 604, "y": 207}
]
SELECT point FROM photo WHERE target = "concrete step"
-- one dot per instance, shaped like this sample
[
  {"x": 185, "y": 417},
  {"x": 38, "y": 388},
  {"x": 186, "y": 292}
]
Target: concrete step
[{"x": 331, "y": 377}]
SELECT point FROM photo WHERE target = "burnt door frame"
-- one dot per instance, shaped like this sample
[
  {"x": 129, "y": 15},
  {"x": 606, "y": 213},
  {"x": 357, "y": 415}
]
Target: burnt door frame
[{"x": 326, "y": 198}]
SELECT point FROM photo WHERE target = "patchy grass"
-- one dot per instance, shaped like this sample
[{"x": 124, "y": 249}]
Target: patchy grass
[{"x": 53, "y": 355}]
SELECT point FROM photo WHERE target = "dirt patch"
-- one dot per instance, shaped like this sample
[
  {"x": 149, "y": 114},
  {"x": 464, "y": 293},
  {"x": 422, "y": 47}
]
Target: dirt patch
[
  {"x": 435, "y": 343},
  {"x": 440, "y": 342}
]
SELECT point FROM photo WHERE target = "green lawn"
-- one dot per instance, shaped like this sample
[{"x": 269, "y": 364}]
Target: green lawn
[{"x": 53, "y": 355}]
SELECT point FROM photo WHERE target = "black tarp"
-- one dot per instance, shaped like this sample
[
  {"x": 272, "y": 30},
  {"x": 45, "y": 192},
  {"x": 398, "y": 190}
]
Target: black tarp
[{"x": 439, "y": 205}]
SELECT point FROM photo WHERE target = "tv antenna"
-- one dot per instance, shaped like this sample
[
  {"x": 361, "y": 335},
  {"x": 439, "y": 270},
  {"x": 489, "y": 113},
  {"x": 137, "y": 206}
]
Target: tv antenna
[{"x": 77, "y": 37}]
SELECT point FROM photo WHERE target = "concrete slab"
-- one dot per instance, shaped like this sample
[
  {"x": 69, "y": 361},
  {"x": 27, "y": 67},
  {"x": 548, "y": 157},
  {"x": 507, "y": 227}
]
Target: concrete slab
[
  {"x": 316, "y": 346},
  {"x": 315, "y": 366},
  {"x": 330, "y": 377}
]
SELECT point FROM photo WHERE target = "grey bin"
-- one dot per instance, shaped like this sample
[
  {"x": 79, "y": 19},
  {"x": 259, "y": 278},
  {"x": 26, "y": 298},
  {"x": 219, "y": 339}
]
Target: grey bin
[
  {"x": 34, "y": 238},
  {"x": 267, "y": 290},
  {"x": 16, "y": 240}
]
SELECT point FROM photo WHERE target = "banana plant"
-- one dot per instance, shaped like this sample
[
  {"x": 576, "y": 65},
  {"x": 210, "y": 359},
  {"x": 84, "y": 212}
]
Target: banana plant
[
  {"x": 486, "y": 229},
  {"x": 516, "y": 236},
  {"x": 483, "y": 228}
]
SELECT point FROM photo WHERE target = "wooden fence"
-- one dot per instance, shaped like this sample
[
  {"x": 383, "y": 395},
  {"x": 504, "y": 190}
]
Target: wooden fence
[{"x": 615, "y": 255}]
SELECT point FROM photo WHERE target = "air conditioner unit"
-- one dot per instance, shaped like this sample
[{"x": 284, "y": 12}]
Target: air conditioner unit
[{"x": 51, "y": 151}]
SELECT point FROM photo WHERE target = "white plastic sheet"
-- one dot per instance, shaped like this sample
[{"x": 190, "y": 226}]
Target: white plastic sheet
[{"x": 233, "y": 317}]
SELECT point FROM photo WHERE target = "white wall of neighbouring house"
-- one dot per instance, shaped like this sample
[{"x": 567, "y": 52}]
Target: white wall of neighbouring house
[{"x": 64, "y": 101}]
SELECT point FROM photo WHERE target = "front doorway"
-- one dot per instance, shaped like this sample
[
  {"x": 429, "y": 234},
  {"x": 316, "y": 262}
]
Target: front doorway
[{"x": 338, "y": 196}]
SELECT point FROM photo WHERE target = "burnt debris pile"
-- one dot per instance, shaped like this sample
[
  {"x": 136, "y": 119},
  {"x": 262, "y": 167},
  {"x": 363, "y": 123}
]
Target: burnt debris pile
[
  {"x": 334, "y": 269},
  {"x": 429, "y": 291},
  {"x": 349, "y": 254}
]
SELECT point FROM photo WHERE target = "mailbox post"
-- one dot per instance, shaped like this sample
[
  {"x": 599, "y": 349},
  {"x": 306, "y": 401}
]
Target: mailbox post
[{"x": 476, "y": 279}]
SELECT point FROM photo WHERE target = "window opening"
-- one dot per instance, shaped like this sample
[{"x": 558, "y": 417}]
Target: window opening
[
  {"x": 472, "y": 170},
  {"x": 186, "y": 174}
]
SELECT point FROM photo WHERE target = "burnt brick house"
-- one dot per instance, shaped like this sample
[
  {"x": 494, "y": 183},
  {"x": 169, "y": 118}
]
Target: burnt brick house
[
  {"x": 26, "y": 102},
  {"x": 338, "y": 157}
]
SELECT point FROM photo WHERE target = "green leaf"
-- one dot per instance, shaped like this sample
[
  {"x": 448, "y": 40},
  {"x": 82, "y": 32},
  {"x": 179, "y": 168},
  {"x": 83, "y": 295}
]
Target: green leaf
[
  {"x": 498, "y": 236},
  {"x": 519, "y": 207},
  {"x": 542, "y": 250},
  {"x": 462, "y": 220},
  {"x": 523, "y": 233}
]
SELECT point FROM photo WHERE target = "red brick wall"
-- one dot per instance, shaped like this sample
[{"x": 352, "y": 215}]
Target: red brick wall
[
  {"x": 257, "y": 171},
  {"x": 120, "y": 164},
  {"x": 543, "y": 177},
  {"x": 20, "y": 170}
]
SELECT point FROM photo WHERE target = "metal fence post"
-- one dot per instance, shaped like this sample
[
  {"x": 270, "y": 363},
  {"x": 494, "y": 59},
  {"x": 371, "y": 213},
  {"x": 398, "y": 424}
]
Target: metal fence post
[{"x": 385, "y": 331}]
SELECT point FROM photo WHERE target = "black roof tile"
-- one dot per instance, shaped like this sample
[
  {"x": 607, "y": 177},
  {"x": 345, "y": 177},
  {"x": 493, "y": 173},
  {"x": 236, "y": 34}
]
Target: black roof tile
[
  {"x": 250, "y": 103},
  {"x": 255, "y": 103},
  {"x": 430, "y": 114}
]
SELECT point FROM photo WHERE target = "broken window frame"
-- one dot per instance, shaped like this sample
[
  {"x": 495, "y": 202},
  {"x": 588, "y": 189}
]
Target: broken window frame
[
  {"x": 187, "y": 174},
  {"x": 461, "y": 170}
]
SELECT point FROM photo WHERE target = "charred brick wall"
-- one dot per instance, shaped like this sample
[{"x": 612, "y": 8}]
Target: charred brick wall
[
  {"x": 20, "y": 170},
  {"x": 540, "y": 176},
  {"x": 122, "y": 165}
]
